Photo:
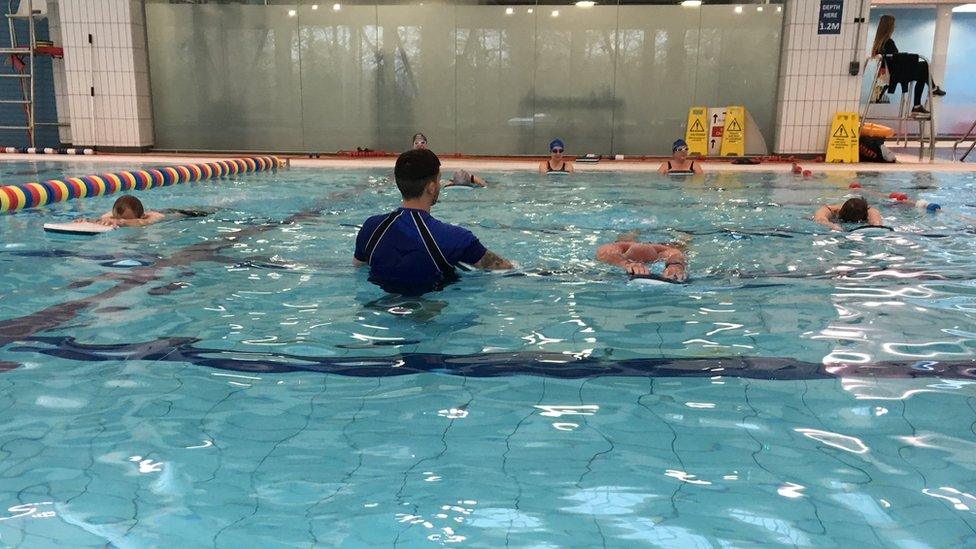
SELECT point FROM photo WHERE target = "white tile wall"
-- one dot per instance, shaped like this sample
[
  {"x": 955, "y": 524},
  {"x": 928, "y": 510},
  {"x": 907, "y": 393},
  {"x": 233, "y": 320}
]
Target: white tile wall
[
  {"x": 814, "y": 82},
  {"x": 114, "y": 63}
]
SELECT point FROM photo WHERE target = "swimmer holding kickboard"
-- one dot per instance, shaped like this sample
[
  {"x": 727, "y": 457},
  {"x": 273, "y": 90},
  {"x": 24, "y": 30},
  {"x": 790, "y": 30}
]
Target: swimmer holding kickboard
[
  {"x": 634, "y": 256},
  {"x": 126, "y": 212}
]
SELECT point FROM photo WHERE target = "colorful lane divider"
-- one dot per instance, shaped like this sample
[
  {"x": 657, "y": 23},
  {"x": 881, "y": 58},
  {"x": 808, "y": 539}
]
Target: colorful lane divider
[{"x": 31, "y": 195}]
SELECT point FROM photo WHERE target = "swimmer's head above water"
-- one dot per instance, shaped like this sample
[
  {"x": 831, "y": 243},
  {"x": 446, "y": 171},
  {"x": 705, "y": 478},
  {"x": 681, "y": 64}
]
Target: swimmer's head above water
[
  {"x": 679, "y": 149},
  {"x": 419, "y": 141},
  {"x": 854, "y": 210},
  {"x": 556, "y": 148},
  {"x": 417, "y": 175},
  {"x": 128, "y": 207}
]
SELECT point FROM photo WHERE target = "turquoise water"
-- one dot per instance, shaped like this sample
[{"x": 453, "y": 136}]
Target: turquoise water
[{"x": 232, "y": 381}]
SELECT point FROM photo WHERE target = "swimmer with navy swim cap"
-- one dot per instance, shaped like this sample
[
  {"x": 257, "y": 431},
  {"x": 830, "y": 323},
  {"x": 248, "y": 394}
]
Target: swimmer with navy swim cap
[
  {"x": 855, "y": 210},
  {"x": 679, "y": 163},
  {"x": 461, "y": 178},
  {"x": 556, "y": 162}
]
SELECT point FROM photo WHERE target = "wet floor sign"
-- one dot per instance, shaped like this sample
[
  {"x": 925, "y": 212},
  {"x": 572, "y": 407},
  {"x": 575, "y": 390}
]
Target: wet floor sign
[
  {"x": 697, "y": 133},
  {"x": 733, "y": 138},
  {"x": 842, "y": 139}
]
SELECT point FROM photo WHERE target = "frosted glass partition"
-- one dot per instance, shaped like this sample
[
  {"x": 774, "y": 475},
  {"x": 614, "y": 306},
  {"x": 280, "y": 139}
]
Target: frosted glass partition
[
  {"x": 475, "y": 78},
  {"x": 340, "y": 59},
  {"x": 656, "y": 76},
  {"x": 734, "y": 54},
  {"x": 495, "y": 72},
  {"x": 225, "y": 77}
]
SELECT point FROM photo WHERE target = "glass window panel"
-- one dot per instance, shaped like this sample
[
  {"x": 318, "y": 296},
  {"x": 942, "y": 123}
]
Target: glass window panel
[
  {"x": 495, "y": 69},
  {"x": 416, "y": 76},
  {"x": 656, "y": 72},
  {"x": 224, "y": 77},
  {"x": 340, "y": 54},
  {"x": 736, "y": 65},
  {"x": 574, "y": 78}
]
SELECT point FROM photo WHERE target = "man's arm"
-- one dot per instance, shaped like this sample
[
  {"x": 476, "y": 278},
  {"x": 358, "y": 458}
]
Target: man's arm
[
  {"x": 610, "y": 253},
  {"x": 675, "y": 263},
  {"x": 823, "y": 215},
  {"x": 357, "y": 263},
  {"x": 874, "y": 217},
  {"x": 492, "y": 262}
]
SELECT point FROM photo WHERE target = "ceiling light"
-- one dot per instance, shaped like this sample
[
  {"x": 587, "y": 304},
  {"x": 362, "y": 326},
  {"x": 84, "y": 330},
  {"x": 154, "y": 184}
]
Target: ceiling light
[
  {"x": 531, "y": 10},
  {"x": 555, "y": 13},
  {"x": 965, "y": 8},
  {"x": 509, "y": 11},
  {"x": 691, "y": 3},
  {"x": 585, "y": 4},
  {"x": 779, "y": 9},
  {"x": 292, "y": 13},
  {"x": 315, "y": 6},
  {"x": 738, "y": 9},
  {"x": 759, "y": 8}
]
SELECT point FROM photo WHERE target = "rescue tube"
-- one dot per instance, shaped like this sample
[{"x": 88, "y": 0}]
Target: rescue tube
[{"x": 876, "y": 130}]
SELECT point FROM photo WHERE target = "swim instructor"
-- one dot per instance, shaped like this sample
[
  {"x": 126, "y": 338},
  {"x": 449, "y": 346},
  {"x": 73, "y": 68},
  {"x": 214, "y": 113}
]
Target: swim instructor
[{"x": 410, "y": 252}]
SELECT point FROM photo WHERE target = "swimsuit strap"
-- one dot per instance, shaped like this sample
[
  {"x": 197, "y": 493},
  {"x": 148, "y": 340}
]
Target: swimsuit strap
[
  {"x": 374, "y": 239},
  {"x": 440, "y": 261},
  {"x": 669, "y": 165}
]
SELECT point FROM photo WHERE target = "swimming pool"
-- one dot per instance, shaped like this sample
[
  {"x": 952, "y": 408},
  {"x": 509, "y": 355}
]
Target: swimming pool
[{"x": 232, "y": 381}]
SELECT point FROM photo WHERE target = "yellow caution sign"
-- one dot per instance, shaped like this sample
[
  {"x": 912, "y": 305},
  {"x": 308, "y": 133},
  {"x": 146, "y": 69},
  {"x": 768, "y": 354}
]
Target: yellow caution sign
[
  {"x": 843, "y": 137},
  {"x": 697, "y": 133},
  {"x": 733, "y": 138}
]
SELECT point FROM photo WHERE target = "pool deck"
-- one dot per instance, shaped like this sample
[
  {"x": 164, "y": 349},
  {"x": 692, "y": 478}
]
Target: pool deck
[{"x": 907, "y": 162}]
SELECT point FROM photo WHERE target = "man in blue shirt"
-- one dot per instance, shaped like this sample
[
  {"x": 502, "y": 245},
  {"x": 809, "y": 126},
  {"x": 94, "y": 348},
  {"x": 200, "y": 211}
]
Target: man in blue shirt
[{"x": 407, "y": 250}]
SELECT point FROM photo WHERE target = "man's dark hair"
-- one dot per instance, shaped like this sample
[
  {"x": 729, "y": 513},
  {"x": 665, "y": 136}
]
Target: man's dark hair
[
  {"x": 414, "y": 170},
  {"x": 128, "y": 202},
  {"x": 854, "y": 210}
]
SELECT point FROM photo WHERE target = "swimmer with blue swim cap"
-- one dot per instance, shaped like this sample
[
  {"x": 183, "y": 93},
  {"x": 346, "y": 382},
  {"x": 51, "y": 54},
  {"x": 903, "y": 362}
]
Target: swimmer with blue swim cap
[
  {"x": 461, "y": 178},
  {"x": 679, "y": 163},
  {"x": 556, "y": 162},
  {"x": 634, "y": 256}
]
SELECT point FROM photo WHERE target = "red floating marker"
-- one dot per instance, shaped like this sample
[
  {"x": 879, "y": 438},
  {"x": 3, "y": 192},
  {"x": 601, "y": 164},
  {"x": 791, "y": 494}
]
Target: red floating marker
[
  {"x": 898, "y": 196},
  {"x": 807, "y": 173},
  {"x": 854, "y": 185},
  {"x": 818, "y": 159},
  {"x": 797, "y": 169}
]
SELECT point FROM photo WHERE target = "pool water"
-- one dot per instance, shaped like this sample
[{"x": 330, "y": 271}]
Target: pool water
[{"x": 232, "y": 380}]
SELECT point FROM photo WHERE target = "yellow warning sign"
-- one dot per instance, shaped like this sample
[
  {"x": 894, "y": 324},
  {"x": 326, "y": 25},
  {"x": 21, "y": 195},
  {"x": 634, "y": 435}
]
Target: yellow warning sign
[
  {"x": 843, "y": 137},
  {"x": 733, "y": 138},
  {"x": 697, "y": 134}
]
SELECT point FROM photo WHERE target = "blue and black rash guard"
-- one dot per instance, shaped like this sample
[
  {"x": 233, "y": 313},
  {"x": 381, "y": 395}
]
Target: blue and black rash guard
[{"x": 410, "y": 252}]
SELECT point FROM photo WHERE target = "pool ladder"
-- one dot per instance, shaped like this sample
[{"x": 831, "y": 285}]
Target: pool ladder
[
  {"x": 969, "y": 133},
  {"x": 26, "y": 54}
]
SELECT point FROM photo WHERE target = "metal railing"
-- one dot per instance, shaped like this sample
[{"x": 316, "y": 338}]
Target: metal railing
[{"x": 968, "y": 134}]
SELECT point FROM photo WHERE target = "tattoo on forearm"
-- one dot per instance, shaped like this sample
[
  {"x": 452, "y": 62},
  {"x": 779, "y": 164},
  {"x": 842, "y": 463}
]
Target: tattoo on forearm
[{"x": 491, "y": 261}]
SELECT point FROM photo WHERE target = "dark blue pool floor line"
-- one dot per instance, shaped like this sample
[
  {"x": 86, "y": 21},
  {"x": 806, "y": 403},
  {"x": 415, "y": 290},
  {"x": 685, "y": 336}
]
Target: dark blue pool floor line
[{"x": 554, "y": 365}]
